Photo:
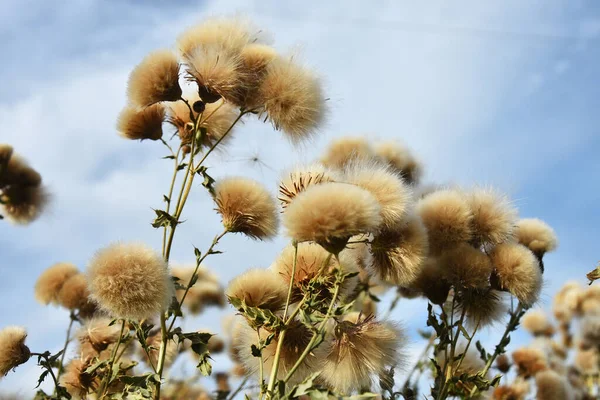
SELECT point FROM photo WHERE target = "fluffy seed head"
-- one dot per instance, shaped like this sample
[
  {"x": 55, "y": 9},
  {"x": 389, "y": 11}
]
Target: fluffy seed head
[
  {"x": 96, "y": 336},
  {"x": 6, "y": 151},
  {"x": 74, "y": 293},
  {"x": 77, "y": 381},
  {"x": 311, "y": 259},
  {"x": 529, "y": 361},
  {"x": 535, "y": 234},
  {"x": 503, "y": 363},
  {"x": 155, "y": 79},
  {"x": 246, "y": 207},
  {"x": 400, "y": 159},
  {"x": 18, "y": 172},
  {"x": 398, "y": 254},
  {"x": 361, "y": 350},
  {"x": 230, "y": 35},
  {"x": 332, "y": 211},
  {"x": 536, "y": 322},
  {"x": 259, "y": 288},
  {"x": 255, "y": 59},
  {"x": 48, "y": 285},
  {"x": 217, "y": 118},
  {"x": 393, "y": 195},
  {"x": 483, "y": 307},
  {"x": 494, "y": 218},
  {"x": 590, "y": 331},
  {"x": 448, "y": 218},
  {"x": 292, "y": 98},
  {"x": 130, "y": 281},
  {"x": 346, "y": 149},
  {"x": 300, "y": 178},
  {"x": 587, "y": 361},
  {"x": 567, "y": 301},
  {"x": 13, "y": 351},
  {"x": 294, "y": 342},
  {"x": 141, "y": 123},
  {"x": 24, "y": 204},
  {"x": 466, "y": 267},
  {"x": 552, "y": 386},
  {"x": 430, "y": 282},
  {"x": 207, "y": 290},
  {"x": 517, "y": 271},
  {"x": 154, "y": 342}
]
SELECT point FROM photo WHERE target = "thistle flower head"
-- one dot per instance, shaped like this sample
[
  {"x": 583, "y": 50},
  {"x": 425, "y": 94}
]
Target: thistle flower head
[
  {"x": 51, "y": 281},
  {"x": 154, "y": 343},
  {"x": 311, "y": 261},
  {"x": 255, "y": 59},
  {"x": 590, "y": 331},
  {"x": 344, "y": 150},
  {"x": 466, "y": 267},
  {"x": 24, "y": 204},
  {"x": 538, "y": 236},
  {"x": 361, "y": 350},
  {"x": 398, "y": 254},
  {"x": 74, "y": 293},
  {"x": 292, "y": 98},
  {"x": 130, "y": 281},
  {"x": 393, "y": 195},
  {"x": 246, "y": 207},
  {"x": 13, "y": 351},
  {"x": 299, "y": 179},
  {"x": 567, "y": 301},
  {"x": 259, "y": 288},
  {"x": 77, "y": 381},
  {"x": 447, "y": 217},
  {"x": 141, "y": 123},
  {"x": 430, "y": 282},
  {"x": 517, "y": 271},
  {"x": 6, "y": 152},
  {"x": 18, "y": 172},
  {"x": 332, "y": 211},
  {"x": 529, "y": 361},
  {"x": 295, "y": 341},
  {"x": 206, "y": 292},
  {"x": 503, "y": 363},
  {"x": 536, "y": 322},
  {"x": 552, "y": 386},
  {"x": 494, "y": 218},
  {"x": 400, "y": 159},
  {"x": 482, "y": 307},
  {"x": 155, "y": 79},
  {"x": 96, "y": 336}
]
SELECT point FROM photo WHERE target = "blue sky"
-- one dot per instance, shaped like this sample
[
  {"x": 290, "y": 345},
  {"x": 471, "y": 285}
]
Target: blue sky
[{"x": 495, "y": 93}]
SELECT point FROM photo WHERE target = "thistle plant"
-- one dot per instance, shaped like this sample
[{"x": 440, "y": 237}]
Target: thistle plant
[{"x": 359, "y": 223}]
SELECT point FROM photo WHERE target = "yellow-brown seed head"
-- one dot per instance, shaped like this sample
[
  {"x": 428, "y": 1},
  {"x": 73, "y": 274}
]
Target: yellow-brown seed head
[
  {"x": 141, "y": 123},
  {"x": 13, "y": 351},
  {"x": 155, "y": 79}
]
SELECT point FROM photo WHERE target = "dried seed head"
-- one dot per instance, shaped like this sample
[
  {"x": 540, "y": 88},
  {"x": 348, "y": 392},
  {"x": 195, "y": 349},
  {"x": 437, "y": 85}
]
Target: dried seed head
[
  {"x": 18, "y": 172},
  {"x": 6, "y": 151},
  {"x": 400, "y": 159},
  {"x": 529, "y": 361},
  {"x": 393, "y": 195},
  {"x": 310, "y": 261},
  {"x": 255, "y": 59},
  {"x": 494, "y": 218},
  {"x": 74, "y": 293},
  {"x": 398, "y": 254},
  {"x": 552, "y": 386},
  {"x": 330, "y": 211},
  {"x": 567, "y": 301},
  {"x": 77, "y": 381},
  {"x": 344, "y": 150},
  {"x": 246, "y": 207},
  {"x": 538, "y": 236},
  {"x": 483, "y": 307},
  {"x": 51, "y": 281},
  {"x": 154, "y": 342},
  {"x": 259, "y": 288},
  {"x": 447, "y": 217},
  {"x": 590, "y": 331},
  {"x": 295, "y": 341},
  {"x": 537, "y": 323},
  {"x": 13, "y": 351},
  {"x": 300, "y": 178},
  {"x": 466, "y": 267},
  {"x": 362, "y": 349},
  {"x": 206, "y": 292},
  {"x": 96, "y": 336},
  {"x": 431, "y": 283},
  {"x": 155, "y": 79},
  {"x": 130, "y": 281},
  {"x": 24, "y": 204},
  {"x": 141, "y": 123},
  {"x": 503, "y": 363},
  {"x": 292, "y": 98},
  {"x": 517, "y": 271}
]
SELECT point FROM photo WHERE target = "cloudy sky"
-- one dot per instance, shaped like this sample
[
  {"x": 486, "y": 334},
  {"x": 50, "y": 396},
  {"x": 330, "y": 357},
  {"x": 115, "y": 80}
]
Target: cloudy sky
[{"x": 495, "y": 93}]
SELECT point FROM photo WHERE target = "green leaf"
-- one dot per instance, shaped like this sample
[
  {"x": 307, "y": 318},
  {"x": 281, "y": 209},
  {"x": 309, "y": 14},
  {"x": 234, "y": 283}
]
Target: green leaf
[{"x": 163, "y": 219}]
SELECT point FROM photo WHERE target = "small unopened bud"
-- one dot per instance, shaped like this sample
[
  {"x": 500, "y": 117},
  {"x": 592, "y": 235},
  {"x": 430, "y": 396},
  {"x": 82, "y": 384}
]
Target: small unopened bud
[
  {"x": 594, "y": 275},
  {"x": 199, "y": 106},
  {"x": 186, "y": 149}
]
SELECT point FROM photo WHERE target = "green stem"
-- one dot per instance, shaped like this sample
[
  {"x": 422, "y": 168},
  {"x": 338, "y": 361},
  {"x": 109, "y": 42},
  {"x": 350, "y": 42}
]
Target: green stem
[
  {"x": 511, "y": 326},
  {"x": 169, "y": 200},
  {"x": 105, "y": 381},
  {"x": 292, "y": 277},
  {"x": 162, "y": 352},
  {"x": 48, "y": 367},
  {"x": 61, "y": 366},
  {"x": 261, "y": 367}
]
